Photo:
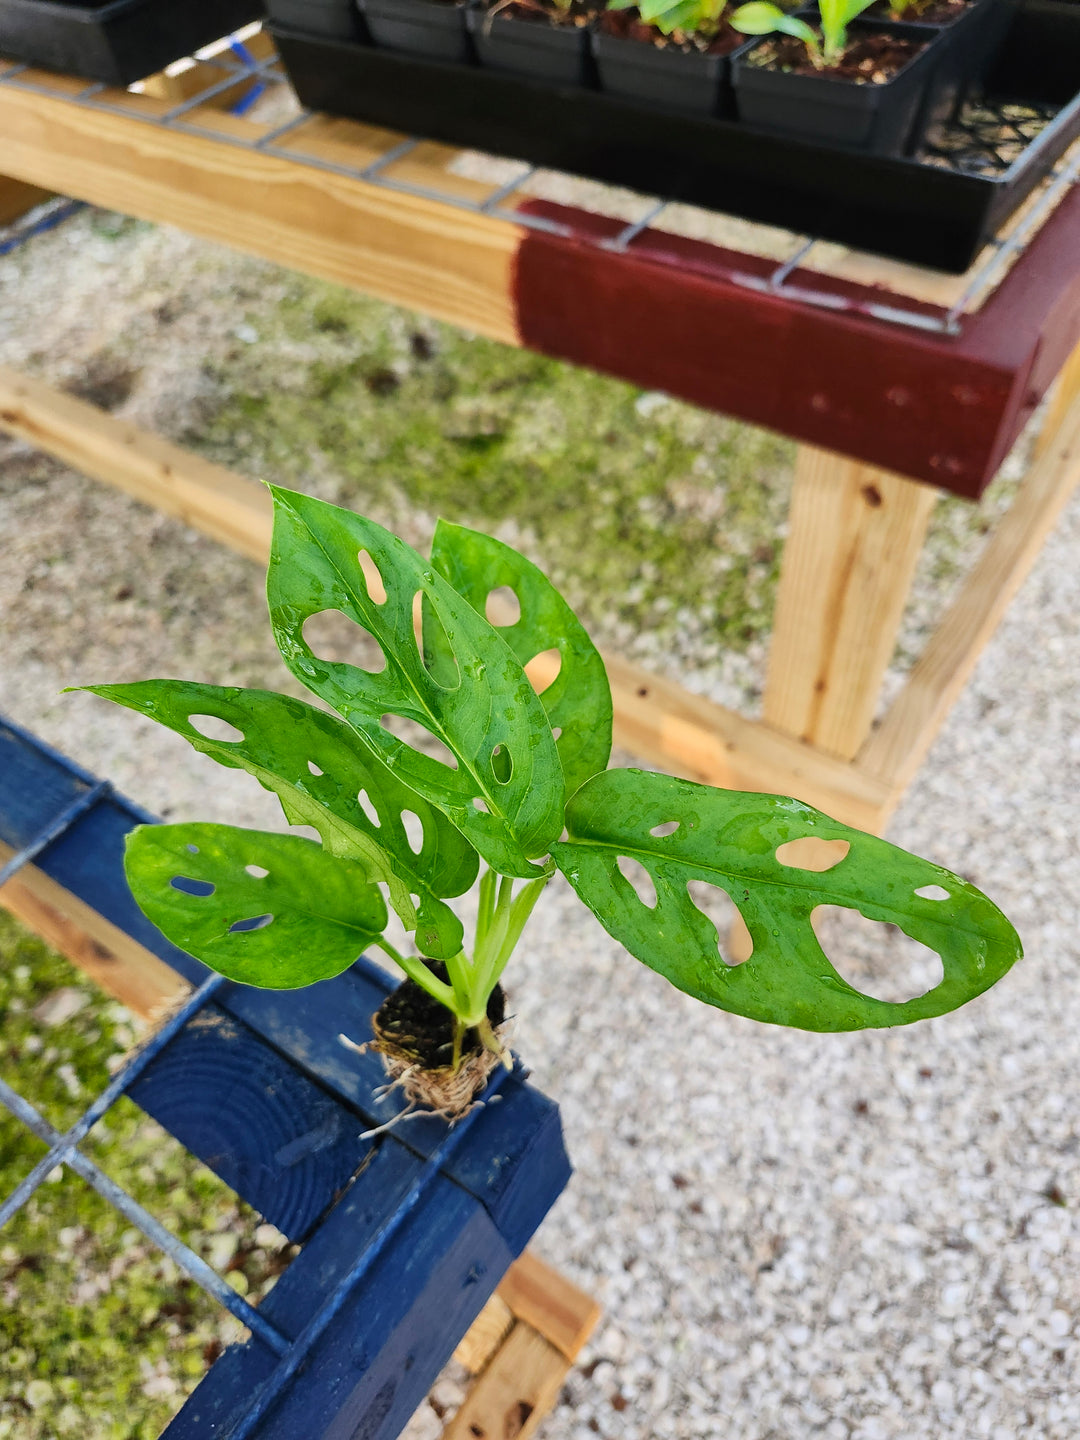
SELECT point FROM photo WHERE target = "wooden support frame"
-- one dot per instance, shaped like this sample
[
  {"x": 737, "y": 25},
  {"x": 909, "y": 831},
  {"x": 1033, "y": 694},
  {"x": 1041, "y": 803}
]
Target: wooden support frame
[
  {"x": 897, "y": 748},
  {"x": 943, "y": 408},
  {"x": 519, "y": 1350},
  {"x": 855, "y": 537},
  {"x": 657, "y": 719},
  {"x": 940, "y": 407}
]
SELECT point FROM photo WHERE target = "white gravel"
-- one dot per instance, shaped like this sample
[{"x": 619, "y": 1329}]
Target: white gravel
[{"x": 855, "y": 1238}]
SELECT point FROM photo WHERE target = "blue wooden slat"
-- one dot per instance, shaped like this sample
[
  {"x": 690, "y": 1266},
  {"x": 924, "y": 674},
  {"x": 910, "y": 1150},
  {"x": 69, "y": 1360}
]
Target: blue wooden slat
[
  {"x": 305, "y": 1025},
  {"x": 38, "y": 783},
  {"x": 272, "y": 1134},
  {"x": 375, "y": 1364}
]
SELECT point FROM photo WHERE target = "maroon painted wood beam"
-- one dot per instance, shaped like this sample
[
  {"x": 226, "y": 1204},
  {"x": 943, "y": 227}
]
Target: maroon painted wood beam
[{"x": 667, "y": 313}]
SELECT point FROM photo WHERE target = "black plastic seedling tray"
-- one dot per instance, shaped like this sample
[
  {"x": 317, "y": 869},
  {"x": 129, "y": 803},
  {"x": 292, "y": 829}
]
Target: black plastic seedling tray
[
  {"x": 116, "y": 41},
  {"x": 937, "y": 212}
]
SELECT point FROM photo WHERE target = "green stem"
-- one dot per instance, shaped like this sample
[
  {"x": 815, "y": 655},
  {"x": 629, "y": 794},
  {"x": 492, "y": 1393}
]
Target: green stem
[
  {"x": 488, "y": 883},
  {"x": 418, "y": 972},
  {"x": 460, "y": 971},
  {"x": 504, "y": 923}
]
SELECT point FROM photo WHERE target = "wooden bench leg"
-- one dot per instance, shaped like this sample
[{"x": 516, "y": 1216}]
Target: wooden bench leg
[
  {"x": 854, "y": 539},
  {"x": 855, "y": 533},
  {"x": 896, "y": 749},
  {"x": 520, "y": 1349}
]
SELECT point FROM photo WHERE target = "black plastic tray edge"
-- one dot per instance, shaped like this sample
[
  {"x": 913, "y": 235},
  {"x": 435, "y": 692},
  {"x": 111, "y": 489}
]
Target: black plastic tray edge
[
  {"x": 986, "y": 201},
  {"x": 105, "y": 23}
]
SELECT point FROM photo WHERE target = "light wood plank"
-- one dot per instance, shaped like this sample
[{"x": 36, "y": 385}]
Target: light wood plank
[
  {"x": 1063, "y": 395},
  {"x": 546, "y": 1301},
  {"x": 121, "y": 966},
  {"x": 666, "y": 725},
  {"x": 854, "y": 539},
  {"x": 226, "y": 506},
  {"x": 452, "y": 263},
  {"x": 897, "y": 748},
  {"x": 655, "y": 719},
  {"x": 512, "y": 1396},
  {"x": 484, "y": 1336},
  {"x": 16, "y": 198}
]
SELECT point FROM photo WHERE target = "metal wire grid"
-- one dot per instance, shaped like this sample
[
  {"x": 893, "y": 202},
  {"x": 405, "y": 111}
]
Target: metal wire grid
[
  {"x": 968, "y": 144},
  {"x": 290, "y": 1351}
]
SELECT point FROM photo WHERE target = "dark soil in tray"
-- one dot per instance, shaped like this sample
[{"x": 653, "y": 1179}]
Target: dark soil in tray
[
  {"x": 540, "y": 14},
  {"x": 627, "y": 25},
  {"x": 420, "y": 1025},
  {"x": 870, "y": 60},
  {"x": 940, "y": 12}
]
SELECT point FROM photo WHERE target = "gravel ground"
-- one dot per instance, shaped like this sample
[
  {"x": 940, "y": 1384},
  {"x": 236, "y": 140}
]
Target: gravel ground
[{"x": 855, "y": 1237}]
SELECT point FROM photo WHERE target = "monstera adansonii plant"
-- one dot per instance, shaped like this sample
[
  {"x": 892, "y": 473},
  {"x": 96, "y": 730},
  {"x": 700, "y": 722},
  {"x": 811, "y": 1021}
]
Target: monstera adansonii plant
[{"x": 521, "y": 790}]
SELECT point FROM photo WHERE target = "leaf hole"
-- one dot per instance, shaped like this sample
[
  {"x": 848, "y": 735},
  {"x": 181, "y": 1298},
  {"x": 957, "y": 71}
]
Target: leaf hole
[
  {"x": 435, "y": 646},
  {"x": 257, "y": 871},
  {"x": 932, "y": 892},
  {"x": 667, "y": 828},
  {"x": 811, "y": 853},
  {"x": 639, "y": 880},
  {"x": 315, "y": 770},
  {"x": 481, "y": 805},
  {"x": 256, "y": 922},
  {"x": 364, "y": 801},
  {"x": 332, "y": 635},
  {"x": 214, "y": 728},
  {"x": 419, "y": 737},
  {"x": 877, "y": 958},
  {"x": 187, "y": 886},
  {"x": 733, "y": 942},
  {"x": 192, "y": 849},
  {"x": 502, "y": 606},
  {"x": 373, "y": 581},
  {"x": 556, "y": 733},
  {"x": 414, "y": 830},
  {"x": 502, "y": 764},
  {"x": 543, "y": 669}
]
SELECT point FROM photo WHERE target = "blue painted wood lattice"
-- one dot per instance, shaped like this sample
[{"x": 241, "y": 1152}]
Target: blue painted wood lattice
[{"x": 404, "y": 1236}]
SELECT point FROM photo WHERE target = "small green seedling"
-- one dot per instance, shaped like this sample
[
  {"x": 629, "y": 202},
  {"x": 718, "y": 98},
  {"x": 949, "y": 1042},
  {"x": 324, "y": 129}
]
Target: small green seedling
[
  {"x": 523, "y": 791},
  {"x": 759, "y": 17},
  {"x": 692, "y": 17}
]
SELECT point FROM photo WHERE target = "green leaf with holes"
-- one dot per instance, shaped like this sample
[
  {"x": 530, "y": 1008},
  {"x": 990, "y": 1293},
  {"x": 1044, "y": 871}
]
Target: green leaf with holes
[
  {"x": 318, "y": 768},
  {"x": 578, "y": 701},
  {"x": 504, "y": 787},
  {"x": 312, "y": 913},
  {"x": 730, "y": 839}
]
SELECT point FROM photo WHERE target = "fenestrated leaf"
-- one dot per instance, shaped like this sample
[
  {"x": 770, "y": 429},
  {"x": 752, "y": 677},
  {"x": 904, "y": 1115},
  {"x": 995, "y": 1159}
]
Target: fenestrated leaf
[
  {"x": 578, "y": 701},
  {"x": 310, "y": 915},
  {"x": 730, "y": 839},
  {"x": 318, "y": 767},
  {"x": 490, "y": 713}
]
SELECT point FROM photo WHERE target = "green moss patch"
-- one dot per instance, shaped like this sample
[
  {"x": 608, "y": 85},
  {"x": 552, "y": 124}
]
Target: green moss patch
[{"x": 657, "y": 519}]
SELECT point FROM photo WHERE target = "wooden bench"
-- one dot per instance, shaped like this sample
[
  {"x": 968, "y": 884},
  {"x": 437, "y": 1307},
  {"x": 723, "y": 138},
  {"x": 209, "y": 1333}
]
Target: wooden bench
[{"x": 407, "y": 1237}]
